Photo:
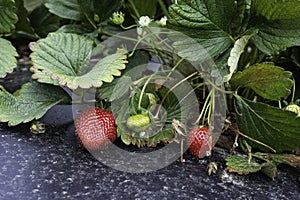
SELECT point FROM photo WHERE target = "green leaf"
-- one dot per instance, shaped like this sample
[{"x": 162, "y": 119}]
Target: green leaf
[
  {"x": 176, "y": 104},
  {"x": 8, "y": 59},
  {"x": 296, "y": 55},
  {"x": 272, "y": 160},
  {"x": 240, "y": 22},
  {"x": 98, "y": 11},
  {"x": 269, "y": 169},
  {"x": 32, "y": 101},
  {"x": 289, "y": 159},
  {"x": 273, "y": 40},
  {"x": 272, "y": 126},
  {"x": 235, "y": 54},
  {"x": 126, "y": 139},
  {"x": 118, "y": 88},
  {"x": 87, "y": 9},
  {"x": 121, "y": 88},
  {"x": 60, "y": 53},
  {"x": 136, "y": 98},
  {"x": 74, "y": 28},
  {"x": 266, "y": 79},
  {"x": 83, "y": 9},
  {"x": 105, "y": 8},
  {"x": 23, "y": 26},
  {"x": 144, "y": 8},
  {"x": 166, "y": 135},
  {"x": 208, "y": 22},
  {"x": 115, "y": 90},
  {"x": 241, "y": 165},
  {"x": 8, "y": 16},
  {"x": 278, "y": 23},
  {"x": 80, "y": 29},
  {"x": 221, "y": 68},
  {"x": 30, "y": 5},
  {"x": 171, "y": 104},
  {"x": 68, "y": 9},
  {"x": 43, "y": 22},
  {"x": 139, "y": 58},
  {"x": 104, "y": 70},
  {"x": 63, "y": 58}
]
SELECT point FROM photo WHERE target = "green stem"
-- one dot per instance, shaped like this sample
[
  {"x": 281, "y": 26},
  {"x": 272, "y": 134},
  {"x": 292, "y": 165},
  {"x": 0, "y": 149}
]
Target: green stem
[
  {"x": 156, "y": 42},
  {"x": 219, "y": 89},
  {"x": 124, "y": 37},
  {"x": 188, "y": 94},
  {"x": 175, "y": 67},
  {"x": 208, "y": 108},
  {"x": 138, "y": 41},
  {"x": 84, "y": 101},
  {"x": 251, "y": 139},
  {"x": 136, "y": 12},
  {"x": 293, "y": 94},
  {"x": 164, "y": 8},
  {"x": 235, "y": 144},
  {"x": 140, "y": 81},
  {"x": 171, "y": 89},
  {"x": 248, "y": 149},
  {"x": 279, "y": 104},
  {"x": 254, "y": 56},
  {"x": 156, "y": 37},
  {"x": 91, "y": 21},
  {"x": 143, "y": 91},
  {"x": 129, "y": 27},
  {"x": 204, "y": 108},
  {"x": 82, "y": 93},
  {"x": 199, "y": 85},
  {"x": 212, "y": 106}
]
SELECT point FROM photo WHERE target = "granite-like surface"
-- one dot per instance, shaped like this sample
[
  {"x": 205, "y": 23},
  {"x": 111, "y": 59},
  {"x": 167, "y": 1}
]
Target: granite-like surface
[{"x": 52, "y": 166}]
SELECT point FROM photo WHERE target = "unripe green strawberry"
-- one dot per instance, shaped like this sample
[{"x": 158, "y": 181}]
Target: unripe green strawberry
[
  {"x": 293, "y": 108},
  {"x": 152, "y": 99},
  {"x": 138, "y": 123},
  {"x": 117, "y": 18}
]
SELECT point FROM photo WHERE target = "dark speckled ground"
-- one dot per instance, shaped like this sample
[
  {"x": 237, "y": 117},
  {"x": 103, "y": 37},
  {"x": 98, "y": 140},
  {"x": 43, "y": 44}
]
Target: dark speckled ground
[{"x": 52, "y": 166}]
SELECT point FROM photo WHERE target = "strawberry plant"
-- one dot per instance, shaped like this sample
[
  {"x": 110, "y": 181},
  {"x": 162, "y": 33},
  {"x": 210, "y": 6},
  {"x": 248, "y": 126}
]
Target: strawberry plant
[{"x": 158, "y": 71}]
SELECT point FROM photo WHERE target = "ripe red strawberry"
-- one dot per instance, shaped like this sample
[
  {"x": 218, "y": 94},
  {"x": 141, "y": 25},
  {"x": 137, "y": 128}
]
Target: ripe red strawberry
[
  {"x": 95, "y": 128},
  {"x": 199, "y": 143}
]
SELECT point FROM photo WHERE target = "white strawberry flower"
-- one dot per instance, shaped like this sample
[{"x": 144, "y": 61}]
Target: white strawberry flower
[
  {"x": 144, "y": 21},
  {"x": 163, "y": 21}
]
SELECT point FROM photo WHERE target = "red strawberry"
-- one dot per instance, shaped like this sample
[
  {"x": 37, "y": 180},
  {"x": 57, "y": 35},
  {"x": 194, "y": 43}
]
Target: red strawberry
[
  {"x": 95, "y": 128},
  {"x": 199, "y": 143}
]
